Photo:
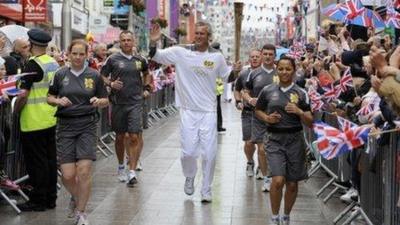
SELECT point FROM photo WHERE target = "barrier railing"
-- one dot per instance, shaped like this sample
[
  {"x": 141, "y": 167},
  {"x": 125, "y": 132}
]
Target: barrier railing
[
  {"x": 11, "y": 156},
  {"x": 160, "y": 105},
  {"x": 379, "y": 200}
]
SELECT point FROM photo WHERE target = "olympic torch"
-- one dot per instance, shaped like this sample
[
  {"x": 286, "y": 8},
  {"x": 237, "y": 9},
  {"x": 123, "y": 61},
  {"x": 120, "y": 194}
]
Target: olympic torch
[{"x": 238, "y": 28}]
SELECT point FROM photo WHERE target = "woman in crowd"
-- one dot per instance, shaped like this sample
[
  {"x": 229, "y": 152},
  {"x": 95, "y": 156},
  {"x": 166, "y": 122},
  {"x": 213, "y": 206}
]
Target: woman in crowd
[
  {"x": 77, "y": 91},
  {"x": 284, "y": 107}
]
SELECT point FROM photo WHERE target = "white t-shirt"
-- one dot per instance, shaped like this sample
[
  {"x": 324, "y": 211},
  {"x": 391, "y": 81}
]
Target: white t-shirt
[{"x": 196, "y": 74}]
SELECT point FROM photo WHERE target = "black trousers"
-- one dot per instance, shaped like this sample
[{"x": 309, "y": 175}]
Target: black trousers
[
  {"x": 219, "y": 112},
  {"x": 39, "y": 148}
]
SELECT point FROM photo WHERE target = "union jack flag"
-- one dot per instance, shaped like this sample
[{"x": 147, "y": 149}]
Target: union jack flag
[
  {"x": 9, "y": 86},
  {"x": 392, "y": 17},
  {"x": 346, "y": 80},
  {"x": 295, "y": 54},
  {"x": 353, "y": 8},
  {"x": 316, "y": 100},
  {"x": 365, "y": 110},
  {"x": 332, "y": 142},
  {"x": 344, "y": 124},
  {"x": 332, "y": 92}
]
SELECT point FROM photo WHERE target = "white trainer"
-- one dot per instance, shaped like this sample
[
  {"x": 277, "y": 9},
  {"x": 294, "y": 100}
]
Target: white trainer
[
  {"x": 122, "y": 176},
  {"x": 139, "y": 166},
  {"x": 259, "y": 175},
  {"x": 81, "y": 219},
  {"x": 267, "y": 184},
  {"x": 189, "y": 185},
  {"x": 285, "y": 220},
  {"x": 351, "y": 193},
  {"x": 207, "y": 198},
  {"x": 250, "y": 169}
]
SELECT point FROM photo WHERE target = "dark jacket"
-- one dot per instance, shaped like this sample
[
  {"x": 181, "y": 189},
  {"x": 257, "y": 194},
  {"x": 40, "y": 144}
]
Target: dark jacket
[{"x": 14, "y": 63}]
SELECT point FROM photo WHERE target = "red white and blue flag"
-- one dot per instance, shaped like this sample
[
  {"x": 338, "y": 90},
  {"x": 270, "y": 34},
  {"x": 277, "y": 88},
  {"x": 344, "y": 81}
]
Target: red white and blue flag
[
  {"x": 353, "y": 8},
  {"x": 346, "y": 80},
  {"x": 316, "y": 100},
  {"x": 333, "y": 142},
  {"x": 332, "y": 92}
]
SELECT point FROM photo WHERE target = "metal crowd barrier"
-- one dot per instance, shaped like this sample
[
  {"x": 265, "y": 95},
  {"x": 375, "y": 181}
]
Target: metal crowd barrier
[
  {"x": 12, "y": 158},
  {"x": 380, "y": 177},
  {"x": 338, "y": 169},
  {"x": 161, "y": 104},
  {"x": 379, "y": 200}
]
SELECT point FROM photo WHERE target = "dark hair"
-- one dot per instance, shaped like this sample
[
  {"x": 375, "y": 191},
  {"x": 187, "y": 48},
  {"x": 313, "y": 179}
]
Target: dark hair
[
  {"x": 78, "y": 42},
  {"x": 291, "y": 60},
  {"x": 269, "y": 47},
  {"x": 126, "y": 32}
]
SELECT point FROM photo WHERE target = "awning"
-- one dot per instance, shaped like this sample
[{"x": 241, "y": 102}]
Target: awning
[{"x": 11, "y": 11}]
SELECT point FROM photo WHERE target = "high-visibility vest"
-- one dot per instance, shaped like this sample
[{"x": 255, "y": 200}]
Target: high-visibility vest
[
  {"x": 220, "y": 86},
  {"x": 37, "y": 114}
]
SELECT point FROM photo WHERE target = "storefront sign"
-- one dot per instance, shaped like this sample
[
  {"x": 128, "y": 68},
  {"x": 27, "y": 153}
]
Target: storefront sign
[
  {"x": 35, "y": 10},
  {"x": 79, "y": 21}
]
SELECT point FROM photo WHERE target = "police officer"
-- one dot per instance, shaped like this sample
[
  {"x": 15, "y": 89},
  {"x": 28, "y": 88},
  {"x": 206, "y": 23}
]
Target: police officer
[
  {"x": 247, "y": 110},
  {"x": 77, "y": 91},
  {"x": 257, "y": 80},
  {"x": 37, "y": 124},
  {"x": 284, "y": 107}
]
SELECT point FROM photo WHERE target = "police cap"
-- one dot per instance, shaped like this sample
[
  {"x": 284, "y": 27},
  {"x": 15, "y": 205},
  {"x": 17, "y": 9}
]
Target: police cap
[{"x": 39, "y": 37}]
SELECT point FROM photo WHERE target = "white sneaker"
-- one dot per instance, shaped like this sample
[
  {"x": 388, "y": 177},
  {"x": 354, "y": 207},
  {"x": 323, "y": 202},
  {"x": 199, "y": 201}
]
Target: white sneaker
[
  {"x": 81, "y": 219},
  {"x": 122, "y": 176},
  {"x": 274, "y": 221},
  {"x": 207, "y": 198},
  {"x": 267, "y": 184},
  {"x": 132, "y": 180},
  {"x": 139, "y": 166},
  {"x": 71, "y": 208},
  {"x": 351, "y": 193},
  {"x": 285, "y": 220},
  {"x": 189, "y": 185},
  {"x": 250, "y": 169},
  {"x": 259, "y": 175}
]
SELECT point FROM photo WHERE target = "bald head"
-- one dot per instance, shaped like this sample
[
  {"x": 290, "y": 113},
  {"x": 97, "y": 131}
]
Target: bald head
[{"x": 22, "y": 47}]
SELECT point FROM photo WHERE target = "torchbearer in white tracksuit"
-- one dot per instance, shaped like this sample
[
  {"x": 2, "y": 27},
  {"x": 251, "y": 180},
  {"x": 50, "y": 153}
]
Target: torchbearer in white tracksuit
[{"x": 197, "y": 67}]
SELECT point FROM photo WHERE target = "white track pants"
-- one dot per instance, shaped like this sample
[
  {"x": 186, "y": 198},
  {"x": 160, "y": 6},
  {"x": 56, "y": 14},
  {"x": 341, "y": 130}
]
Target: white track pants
[{"x": 199, "y": 136}]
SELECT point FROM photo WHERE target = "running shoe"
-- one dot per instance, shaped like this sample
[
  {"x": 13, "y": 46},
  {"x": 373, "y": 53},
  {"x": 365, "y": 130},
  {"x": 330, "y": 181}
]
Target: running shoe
[
  {"x": 275, "y": 221},
  {"x": 132, "y": 180},
  {"x": 267, "y": 184},
  {"x": 250, "y": 169},
  {"x": 189, "y": 185},
  {"x": 139, "y": 166},
  {"x": 351, "y": 194},
  {"x": 207, "y": 198},
  {"x": 81, "y": 219},
  {"x": 259, "y": 175},
  {"x": 285, "y": 220},
  {"x": 122, "y": 177}
]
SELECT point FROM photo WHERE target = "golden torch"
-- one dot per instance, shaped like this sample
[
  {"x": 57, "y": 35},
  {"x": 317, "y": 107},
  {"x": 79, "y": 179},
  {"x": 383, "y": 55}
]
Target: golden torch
[{"x": 238, "y": 28}]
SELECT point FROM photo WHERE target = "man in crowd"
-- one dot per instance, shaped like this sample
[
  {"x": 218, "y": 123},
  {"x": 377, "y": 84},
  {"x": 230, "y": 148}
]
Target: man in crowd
[
  {"x": 37, "y": 124},
  {"x": 124, "y": 69},
  {"x": 255, "y": 82},
  {"x": 197, "y": 67},
  {"x": 17, "y": 59}
]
